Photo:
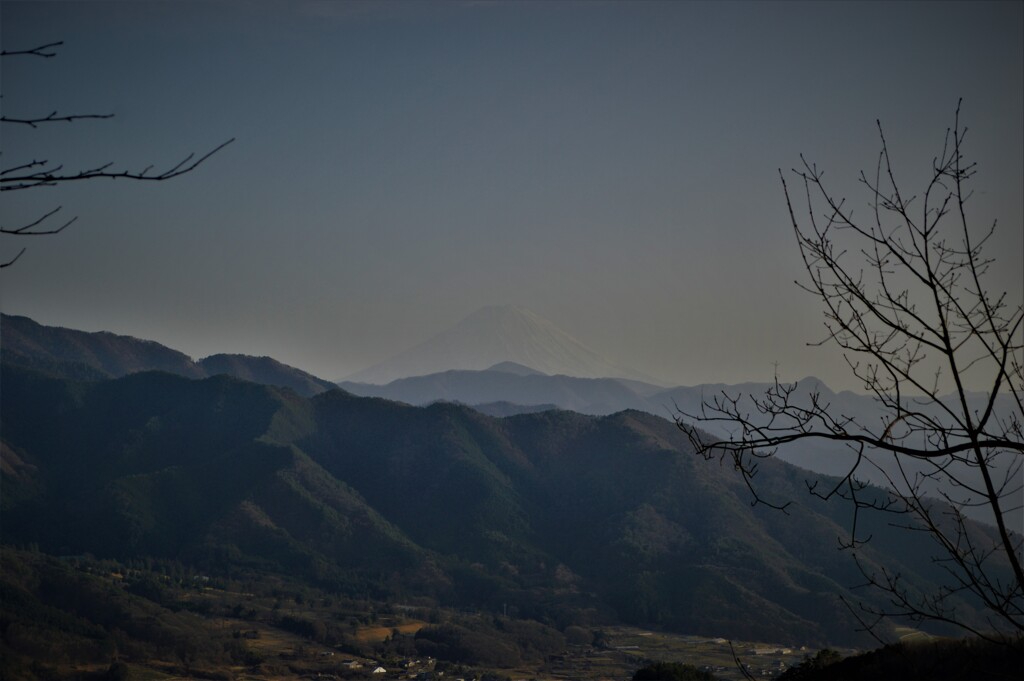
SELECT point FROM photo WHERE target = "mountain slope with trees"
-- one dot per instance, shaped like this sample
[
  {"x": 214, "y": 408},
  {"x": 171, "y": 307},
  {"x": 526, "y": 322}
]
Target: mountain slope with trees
[
  {"x": 70, "y": 353},
  {"x": 565, "y": 517}
]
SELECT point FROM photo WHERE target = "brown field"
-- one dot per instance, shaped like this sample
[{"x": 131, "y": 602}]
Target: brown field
[{"x": 379, "y": 633}]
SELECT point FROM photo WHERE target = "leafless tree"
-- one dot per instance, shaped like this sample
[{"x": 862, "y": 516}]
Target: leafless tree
[
  {"x": 37, "y": 173},
  {"x": 905, "y": 298}
]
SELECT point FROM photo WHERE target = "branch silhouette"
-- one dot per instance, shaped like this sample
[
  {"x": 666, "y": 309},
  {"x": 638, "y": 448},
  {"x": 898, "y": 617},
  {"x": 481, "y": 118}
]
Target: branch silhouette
[
  {"x": 904, "y": 297},
  {"x": 44, "y": 173}
]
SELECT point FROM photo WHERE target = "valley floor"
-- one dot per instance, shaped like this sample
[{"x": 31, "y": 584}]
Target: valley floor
[{"x": 286, "y": 656}]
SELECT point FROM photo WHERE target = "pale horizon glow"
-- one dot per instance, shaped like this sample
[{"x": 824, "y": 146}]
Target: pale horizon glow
[{"x": 611, "y": 166}]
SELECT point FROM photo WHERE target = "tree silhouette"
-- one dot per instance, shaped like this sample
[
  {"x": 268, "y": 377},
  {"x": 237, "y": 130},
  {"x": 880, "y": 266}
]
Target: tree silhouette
[
  {"x": 905, "y": 298},
  {"x": 37, "y": 173}
]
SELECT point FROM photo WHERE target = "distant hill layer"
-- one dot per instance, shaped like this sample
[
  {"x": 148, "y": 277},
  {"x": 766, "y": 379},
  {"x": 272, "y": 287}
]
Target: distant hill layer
[
  {"x": 586, "y": 395},
  {"x": 267, "y": 371},
  {"x": 495, "y": 335},
  {"x": 80, "y": 354},
  {"x": 568, "y": 517}
]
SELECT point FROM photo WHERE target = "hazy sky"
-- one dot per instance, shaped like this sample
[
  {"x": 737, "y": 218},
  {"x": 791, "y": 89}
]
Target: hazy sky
[{"x": 612, "y": 166}]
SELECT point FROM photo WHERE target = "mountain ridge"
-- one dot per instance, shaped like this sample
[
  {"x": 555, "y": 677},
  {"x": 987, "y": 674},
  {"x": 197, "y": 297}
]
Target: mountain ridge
[
  {"x": 61, "y": 351},
  {"x": 492, "y": 335},
  {"x": 554, "y": 511},
  {"x": 507, "y": 386},
  {"x": 266, "y": 370}
]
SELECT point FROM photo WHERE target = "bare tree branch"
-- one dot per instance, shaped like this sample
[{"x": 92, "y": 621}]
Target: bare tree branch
[
  {"x": 52, "y": 117},
  {"x": 52, "y": 176},
  {"x": 904, "y": 298},
  {"x": 35, "y": 51},
  {"x": 13, "y": 260},
  {"x": 30, "y": 228},
  {"x": 42, "y": 173}
]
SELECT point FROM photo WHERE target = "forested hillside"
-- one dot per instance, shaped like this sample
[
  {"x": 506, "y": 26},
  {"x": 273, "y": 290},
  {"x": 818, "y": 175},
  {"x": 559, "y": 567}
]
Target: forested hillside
[{"x": 566, "y": 517}]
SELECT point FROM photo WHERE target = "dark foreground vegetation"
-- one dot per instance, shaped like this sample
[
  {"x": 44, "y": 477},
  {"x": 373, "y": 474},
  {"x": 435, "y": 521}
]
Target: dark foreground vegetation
[
  {"x": 80, "y": 617},
  {"x": 672, "y": 671},
  {"x": 943, "y": 660}
]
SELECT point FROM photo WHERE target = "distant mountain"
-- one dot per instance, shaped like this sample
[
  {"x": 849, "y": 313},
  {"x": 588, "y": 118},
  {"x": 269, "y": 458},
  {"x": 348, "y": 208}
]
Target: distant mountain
[
  {"x": 81, "y": 355},
  {"x": 564, "y": 515},
  {"x": 494, "y": 335},
  {"x": 267, "y": 371},
  {"x": 607, "y": 396},
  {"x": 585, "y": 395},
  {"x": 517, "y": 369}
]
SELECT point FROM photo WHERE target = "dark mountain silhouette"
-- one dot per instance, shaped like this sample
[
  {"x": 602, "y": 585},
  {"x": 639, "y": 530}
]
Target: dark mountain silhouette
[
  {"x": 556, "y": 512},
  {"x": 78, "y": 353},
  {"x": 89, "y": 356}
]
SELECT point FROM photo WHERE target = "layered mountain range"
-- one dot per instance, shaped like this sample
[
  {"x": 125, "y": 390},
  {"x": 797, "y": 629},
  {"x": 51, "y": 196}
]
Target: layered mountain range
[
  {"x": 532, "y": 390},
  {"x": 568, "y": 516}
]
